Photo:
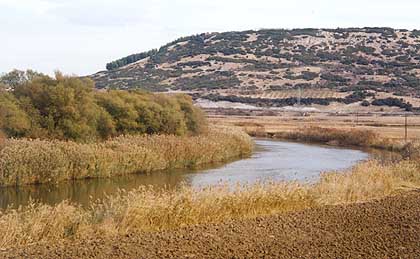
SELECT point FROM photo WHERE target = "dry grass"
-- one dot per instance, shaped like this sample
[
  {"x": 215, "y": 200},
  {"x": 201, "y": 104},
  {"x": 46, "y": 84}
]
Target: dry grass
[
  {"x": 367, "y": 181},
  {"x": 146, "y": 209},
  {"x": 340, "y": 137},
  {"x": 2, "y": 140},
  {"x": 390, "y": 127},
  {"x": 25, "y": 162},
  {"x": 331, "y": 136}
]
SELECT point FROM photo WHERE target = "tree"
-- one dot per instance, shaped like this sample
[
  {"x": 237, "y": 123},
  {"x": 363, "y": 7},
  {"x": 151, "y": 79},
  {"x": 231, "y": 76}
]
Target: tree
[
  {"x": 18, "y": 77},
  {"x": 3, "y": 87},
  {"x": 69, "y": 108},
  {"x": 66, "y": 106},
  {"x": 13, "y": 120}
]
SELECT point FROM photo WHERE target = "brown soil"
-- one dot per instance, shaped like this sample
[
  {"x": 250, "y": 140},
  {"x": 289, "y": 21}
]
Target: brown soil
[{"x": 389, "y": 228}]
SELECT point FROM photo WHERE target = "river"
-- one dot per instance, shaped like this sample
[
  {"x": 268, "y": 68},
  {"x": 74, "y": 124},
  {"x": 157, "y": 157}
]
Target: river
[{"x": 272, "y": 160}]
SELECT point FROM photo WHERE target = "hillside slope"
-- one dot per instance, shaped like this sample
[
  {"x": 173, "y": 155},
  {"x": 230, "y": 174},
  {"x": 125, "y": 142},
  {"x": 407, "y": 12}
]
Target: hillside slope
[{"x": 275, "y": 67}]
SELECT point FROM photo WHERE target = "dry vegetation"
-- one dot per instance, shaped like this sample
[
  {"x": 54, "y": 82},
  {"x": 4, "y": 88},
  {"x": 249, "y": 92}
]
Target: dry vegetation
[
  {"x": 146, "y": 209},
  {"x": 24, "y": 161},
  {"x": 340, "y": 137},
  {"x": 2, "y": 140},
  {"x": 389, "y": 126}
]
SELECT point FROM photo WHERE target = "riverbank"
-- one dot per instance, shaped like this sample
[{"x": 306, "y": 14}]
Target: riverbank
[
  {"x": 24, "y": 161},
  {"x": 387, "y": 126},
  {"x": 387, "y": 228},
  {"x": 376, "y": 132},
  {"x": 146, "y": 209},
  {"x": 271, "y": 160},
  {"x": 150, "y": 210},
  {"x": 336, "y": 137}
]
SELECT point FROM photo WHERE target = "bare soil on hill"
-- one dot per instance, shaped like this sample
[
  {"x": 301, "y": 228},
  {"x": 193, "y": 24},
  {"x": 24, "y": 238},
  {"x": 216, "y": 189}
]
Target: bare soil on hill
[{"x": 388, "y": 228}]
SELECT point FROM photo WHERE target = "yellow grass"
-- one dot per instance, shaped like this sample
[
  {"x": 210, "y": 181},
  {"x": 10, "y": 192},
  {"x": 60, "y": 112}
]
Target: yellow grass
[
  {"x": 390, "y": 127},
  {"x": 331, "y": 132},
  {"x": 340, "y": 137},
  {"x": 2, "y": 140},
  {"x": 367, "y": 181},
  {"x": 25, "y": 162},
  {"x": 146, "y": 209}
]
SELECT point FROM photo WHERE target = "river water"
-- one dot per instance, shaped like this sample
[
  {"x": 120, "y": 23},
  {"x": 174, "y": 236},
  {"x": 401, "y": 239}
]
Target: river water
[{"x": 272, "y": 160}]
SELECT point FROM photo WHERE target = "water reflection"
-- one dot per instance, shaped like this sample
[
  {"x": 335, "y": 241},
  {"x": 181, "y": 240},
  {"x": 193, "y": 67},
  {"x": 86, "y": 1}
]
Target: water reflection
[{"x": 86, "y": 191}]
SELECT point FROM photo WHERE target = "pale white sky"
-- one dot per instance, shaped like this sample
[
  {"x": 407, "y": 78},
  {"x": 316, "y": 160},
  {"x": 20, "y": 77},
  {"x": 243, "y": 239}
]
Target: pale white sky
[{"x": 81, "y": 36}]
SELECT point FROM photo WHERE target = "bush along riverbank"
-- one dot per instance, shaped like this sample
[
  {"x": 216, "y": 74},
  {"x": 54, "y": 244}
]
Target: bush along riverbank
[
  {"x": 62, "y": 128},
  {"x": 70, "y": 108},
  {"x": 26, "y": 161}
]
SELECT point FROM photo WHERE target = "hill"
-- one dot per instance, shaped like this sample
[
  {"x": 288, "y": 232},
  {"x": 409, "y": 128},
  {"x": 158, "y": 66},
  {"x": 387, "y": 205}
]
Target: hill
[{"x": 276, "y": 67}]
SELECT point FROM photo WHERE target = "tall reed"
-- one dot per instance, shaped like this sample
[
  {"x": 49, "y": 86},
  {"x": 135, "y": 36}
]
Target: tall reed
[
  {"x": 147, "y": 209},
  {"x": 24, "y": 161},
  {"x": 340, "y": 137}
]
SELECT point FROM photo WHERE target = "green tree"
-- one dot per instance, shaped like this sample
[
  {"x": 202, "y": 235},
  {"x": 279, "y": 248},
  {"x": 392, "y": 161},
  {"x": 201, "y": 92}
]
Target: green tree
[
  {"x": 66, "y": 106},
  {"x": 194, "y": 117},
  {"x": 13, "y": 120},
  {"x": 70, "y": 108},
  {"x": 18, "y": 77}
]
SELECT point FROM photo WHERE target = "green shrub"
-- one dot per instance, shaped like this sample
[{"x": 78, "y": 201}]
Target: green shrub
[{"x": 68, "y": 108}]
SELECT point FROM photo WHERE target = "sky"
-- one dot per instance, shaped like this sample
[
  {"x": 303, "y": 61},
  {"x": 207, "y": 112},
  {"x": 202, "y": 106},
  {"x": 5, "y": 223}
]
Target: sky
[{"x": 80, "y": 36}]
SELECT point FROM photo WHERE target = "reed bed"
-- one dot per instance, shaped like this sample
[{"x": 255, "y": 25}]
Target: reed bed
[
  {"x": 24, "y": 161},
  {"x": 340, "y": 137},
  {"x": 147, "y": 209}
]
